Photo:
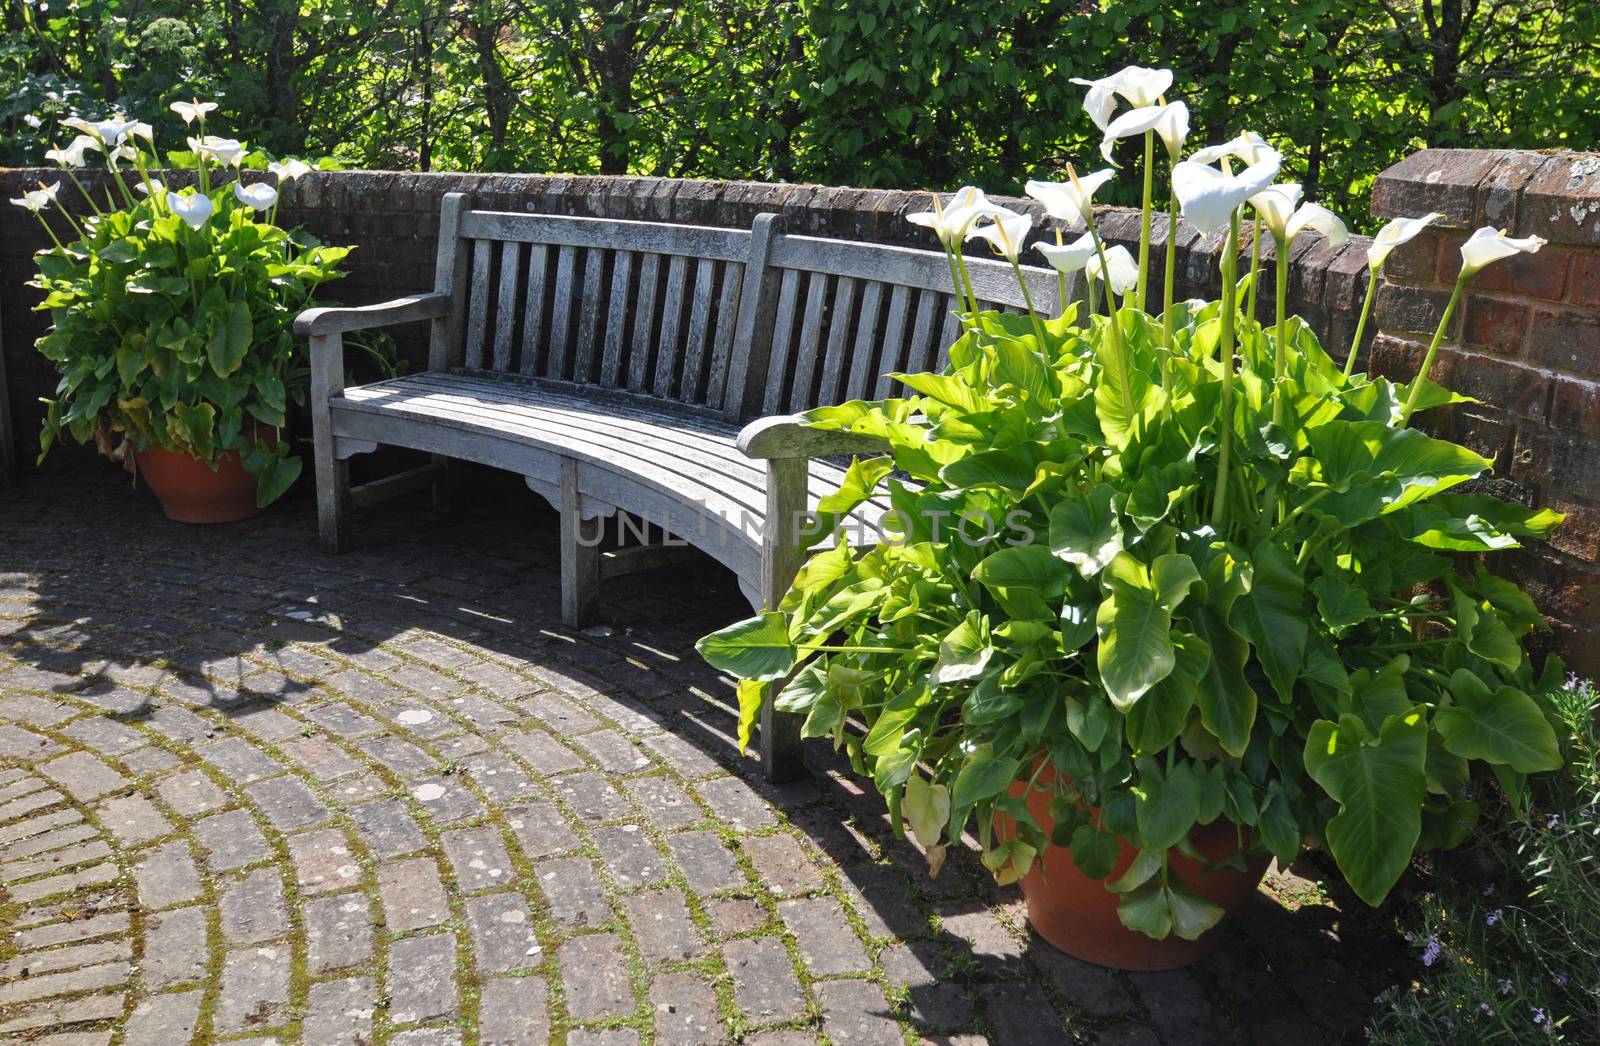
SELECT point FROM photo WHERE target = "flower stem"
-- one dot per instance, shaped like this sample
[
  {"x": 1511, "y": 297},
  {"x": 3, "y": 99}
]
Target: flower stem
[
  {"x": 1038, "y": 325},
  {"x": 1144, "y": 216},
  {"x": 955, "y": 281},
  {"x": 1169, "y": 272},
  {"x": 1105, "y": 274},
  {"x": 1255, "y": 264},
  {"x": 1230, "y": 294},
  {"x": 1280, "y": 348},
  {"x": 1361, "y": 324},
  {"x": 1433, "y": 350},
  {"x": 49, "y": 231}
]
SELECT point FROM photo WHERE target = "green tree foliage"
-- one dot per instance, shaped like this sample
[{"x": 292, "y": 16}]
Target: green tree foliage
[{"x": 924, "y": 93}]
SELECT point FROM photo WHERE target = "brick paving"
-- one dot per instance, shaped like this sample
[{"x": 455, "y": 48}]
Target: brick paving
[{"x": 252, "y": 793}]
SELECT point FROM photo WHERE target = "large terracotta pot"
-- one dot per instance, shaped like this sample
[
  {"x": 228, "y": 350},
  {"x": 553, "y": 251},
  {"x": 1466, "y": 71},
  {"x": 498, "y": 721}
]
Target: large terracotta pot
[
  {"x": 192, "y": 492},
  {"x": 1079, "y": 915}
]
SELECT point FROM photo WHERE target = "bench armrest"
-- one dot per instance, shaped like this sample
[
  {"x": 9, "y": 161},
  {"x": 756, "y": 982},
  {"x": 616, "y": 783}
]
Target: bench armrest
[
  {"x": 363, "y": 317},
  {"x": 786, "y": 436}
]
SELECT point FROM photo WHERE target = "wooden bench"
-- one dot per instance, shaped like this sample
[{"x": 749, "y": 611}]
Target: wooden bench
[{"x": 613, "y": 363}]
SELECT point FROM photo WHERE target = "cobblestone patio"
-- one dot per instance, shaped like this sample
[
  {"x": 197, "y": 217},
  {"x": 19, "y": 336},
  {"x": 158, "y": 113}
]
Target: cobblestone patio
[{"x": 249, "y": 792}]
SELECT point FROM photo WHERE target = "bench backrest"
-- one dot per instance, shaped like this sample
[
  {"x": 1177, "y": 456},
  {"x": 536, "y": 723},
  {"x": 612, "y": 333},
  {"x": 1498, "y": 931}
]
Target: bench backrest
[{"x": 744, "y": 322}]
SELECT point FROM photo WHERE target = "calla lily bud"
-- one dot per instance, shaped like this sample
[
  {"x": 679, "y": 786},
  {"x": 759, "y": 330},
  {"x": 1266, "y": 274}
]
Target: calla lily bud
[
  {"x": 1489, "y": 245},
  {"x": 36, "y": 200},
  {"x": 1123, "y": 270},
  {"x": 192, "y": 111},
  {"x": 194, "y": 210},
  {"x": 1006, "y": 233},
  {"x": 1137, "y": 85},
  {"x": 1398, "y": 231},
  {"x": 927, "y": 808},
  {"x": 1207, "y": 197},
  {"x": 260, "y": 195},
  {"x": 154, "y": 187},
  {"x": 1280, "y": 210},
  {"x": 1070, "y": 202},
  {"x": 951, "y": 221},
  {"x": 1068, "y": 257}
]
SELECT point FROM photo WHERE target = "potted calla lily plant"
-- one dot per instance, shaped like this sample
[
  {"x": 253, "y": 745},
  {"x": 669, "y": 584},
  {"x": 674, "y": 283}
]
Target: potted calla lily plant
[
  {"x": 171, "y": 316},
  {"x": 1166, "y": 592}
]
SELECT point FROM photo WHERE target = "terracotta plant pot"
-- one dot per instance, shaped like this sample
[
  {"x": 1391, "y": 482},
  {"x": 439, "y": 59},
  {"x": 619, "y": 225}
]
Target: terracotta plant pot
[
  {"x": 1079, "y": 915},
  {"x": 191, "y": 492}
]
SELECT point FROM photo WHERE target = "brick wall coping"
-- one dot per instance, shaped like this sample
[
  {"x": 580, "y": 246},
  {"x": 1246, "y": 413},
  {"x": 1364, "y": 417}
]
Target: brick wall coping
[{"x": 1554, "y": 195}]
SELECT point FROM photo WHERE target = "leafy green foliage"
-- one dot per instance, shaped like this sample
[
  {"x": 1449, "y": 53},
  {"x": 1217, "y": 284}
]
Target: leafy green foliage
[
  {"x": 900, "y": 93},
  {"x": 1304, "y": 658},
  {"x": 178, "y": 337}
]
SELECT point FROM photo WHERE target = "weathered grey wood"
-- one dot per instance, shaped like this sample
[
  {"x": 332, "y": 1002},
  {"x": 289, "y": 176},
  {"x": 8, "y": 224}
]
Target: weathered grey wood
[
  {"x": 368, "y": 494},
  {"x": 505, "y": 306},
  {"x": 449, "y": 279},
  {"x": 333, "y": 473},
  {"x": 408, "y": 309},
  {"x": 753, "y": 333},
  {"x": 644, "y": 324},
  {"x": 695, "y": 344},
  {"x": 580, "y": 554},
  {"x": 991, "y": 280},
  {"x": 533, "y": 310},
  {"x": 589, "y": 315},
  {"x": 727, "y": 322},
  {"x": 782, "y": 338},
  {"x": 622, "y": 561},
  {"x": 782, "y": 757},
  {"x": 948, "y": 333},
  {"x": 668, "y": 354},
  {"x": 865, "y": 349},
  {"x": 8, "y": 446},
  {"x": 894, "y": 341},
  {"x": 835, "y": 365},
  {"x": 808, "y": 345},
  {"x": 695, "y": 241},
  {"x": 919, "y": 353},
  {"x": 617, "y": 319},
  {"x": 478, "y": 311},
  {"x": 786, "y": 436},
  {"x": 561, "y": 315}
]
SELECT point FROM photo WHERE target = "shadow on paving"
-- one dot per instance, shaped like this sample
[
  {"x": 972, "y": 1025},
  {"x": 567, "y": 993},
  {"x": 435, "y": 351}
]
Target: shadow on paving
[{"x": 119, "y": 598}]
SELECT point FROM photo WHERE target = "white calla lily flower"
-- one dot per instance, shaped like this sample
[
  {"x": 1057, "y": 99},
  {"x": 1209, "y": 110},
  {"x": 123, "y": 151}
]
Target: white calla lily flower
[
  {"x": 36, "y": 200},
  {"x": 951, "y": 221},
  {"x": 1489, "y": 245},
  {"x": 288, "y": 170},
  {"x": 142, "y": 130},
  {"x": 1275, "y": 204},
  {"x": 1068, "y": 201},
  {"x": 1170, "y": 121},
  {"x": 154, "y": 187},
  {"x": 1068, "y": 257},
  {"x": 226, "y": 151},
  {"x": 1318, "y": 218},
  {"x": 192, "y": 111},
  {"x": 194, "y": 210},
  {"x": 1122, "y": 269},
  {"x": 1280, "y": 210},
  {"x": 1398, "y": 231},
  {"x": 1137, "y": 85},
  {"x": 1006, "y": 232},
  {"x": 121, "y": 152},
  {"x": 73, "y": 155},
  {"x": 1247, "y": 146},
  {"x": 109, "y": 131},
  {"x": 260, "y": 195},
  {"x": 1208, "y": 197}
]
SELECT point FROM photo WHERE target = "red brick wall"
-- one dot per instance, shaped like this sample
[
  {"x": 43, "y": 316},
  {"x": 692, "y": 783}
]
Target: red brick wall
[{"x": 1525, "y": 342}]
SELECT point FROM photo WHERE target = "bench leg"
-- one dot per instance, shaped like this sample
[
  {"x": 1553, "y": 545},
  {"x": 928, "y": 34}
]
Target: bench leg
[
  {"x": 580, "y": 554},
  {"x": 447, "y": 488},
  {"x": 333, "y": 473},
  {"x": 782, "y": 755}
]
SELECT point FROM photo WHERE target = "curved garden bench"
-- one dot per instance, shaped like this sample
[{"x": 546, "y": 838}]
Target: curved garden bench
[{"x": 612, "y": 364}]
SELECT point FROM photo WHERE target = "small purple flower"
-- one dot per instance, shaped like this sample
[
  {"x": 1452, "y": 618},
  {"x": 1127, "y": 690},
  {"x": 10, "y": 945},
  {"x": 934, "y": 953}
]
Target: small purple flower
[
  {"x": 1430, "y": 954},
  {"x": 1561, "y": 979},
  {"x": 1539, "y": 1016},
  {"x": 1552, "y": 821},
  {"x": 1492, "y": 918},
  {"x": 1505, "y": 986},
  {"x": 1486, "y": 1008}
]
